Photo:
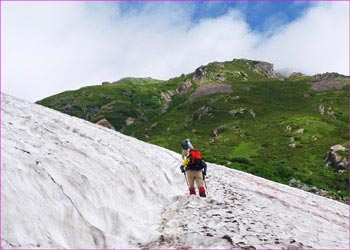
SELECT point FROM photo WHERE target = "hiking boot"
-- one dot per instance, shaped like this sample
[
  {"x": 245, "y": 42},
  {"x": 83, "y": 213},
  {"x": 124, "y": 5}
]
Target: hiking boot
[
  {"x": 202, "y": 192},
  {"x": 192, "y": 191}
]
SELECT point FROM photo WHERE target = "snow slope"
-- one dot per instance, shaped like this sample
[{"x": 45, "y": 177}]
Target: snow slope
[{"x": 67, "y": 183}]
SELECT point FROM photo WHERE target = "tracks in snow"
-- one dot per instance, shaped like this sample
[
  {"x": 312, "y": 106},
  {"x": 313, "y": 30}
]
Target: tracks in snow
[{"x": 225, "y": 219}]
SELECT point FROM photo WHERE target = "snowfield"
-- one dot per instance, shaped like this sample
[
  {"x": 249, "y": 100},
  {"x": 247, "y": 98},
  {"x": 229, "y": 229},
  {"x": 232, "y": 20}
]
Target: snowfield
[{"x": 68, "y": 183}]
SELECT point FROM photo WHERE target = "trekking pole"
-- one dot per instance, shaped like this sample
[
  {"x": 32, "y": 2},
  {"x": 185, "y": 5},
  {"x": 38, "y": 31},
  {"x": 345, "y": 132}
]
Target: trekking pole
[
  {"x": 205, "y": 184},
  {"x": 186, "y": 179}
]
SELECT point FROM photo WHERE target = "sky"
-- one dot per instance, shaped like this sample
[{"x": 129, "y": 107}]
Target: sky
[{"x": 51, "y": 47}]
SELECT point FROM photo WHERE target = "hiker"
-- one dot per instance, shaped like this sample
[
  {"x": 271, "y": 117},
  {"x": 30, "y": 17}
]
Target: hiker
[
  {"x": 186, "y": 146},
  {"x": 196, "y": 170}
]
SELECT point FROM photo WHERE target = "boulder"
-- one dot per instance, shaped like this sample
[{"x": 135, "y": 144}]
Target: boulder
[
  {"x": 338, "y": 147},
  {"x": 334, "y": 160},
  {"x": 234, "y": 112},
  {"x": 296, "y": 75},
  {"x": 214, "y": 133},
  {"x": 199, "y": 73},
  {"x": 105, "y": 123},
  {"x": 300, "y": 131},
  {"x": 321, "y": 109},
  {"x": 129, "y": 121},
  {"x": 252, "y": 113},
  {"x": 264, "y": 68}
]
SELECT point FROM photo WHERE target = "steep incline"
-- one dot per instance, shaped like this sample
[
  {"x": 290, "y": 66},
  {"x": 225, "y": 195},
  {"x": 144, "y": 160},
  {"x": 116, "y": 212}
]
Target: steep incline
[{"x": 67, "y": 183}]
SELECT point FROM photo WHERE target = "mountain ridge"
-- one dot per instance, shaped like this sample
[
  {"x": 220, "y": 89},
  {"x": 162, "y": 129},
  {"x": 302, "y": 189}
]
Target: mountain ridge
[{"x": 240, "y": 113}]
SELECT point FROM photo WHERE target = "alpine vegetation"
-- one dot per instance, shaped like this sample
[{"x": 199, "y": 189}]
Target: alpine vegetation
[{"x": 240, "y": 113}]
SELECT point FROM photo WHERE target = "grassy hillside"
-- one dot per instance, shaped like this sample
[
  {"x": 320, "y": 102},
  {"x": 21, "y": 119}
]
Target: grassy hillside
[{"x": 239, "y": 113}]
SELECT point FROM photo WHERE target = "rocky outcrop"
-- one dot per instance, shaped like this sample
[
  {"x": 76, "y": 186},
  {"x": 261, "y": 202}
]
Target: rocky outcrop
[
  {"x": 184, "y": 87},
  {"x": 211, "y": 89},
  {"x": 296, "y": 75},
  {"x": 168, "y": 95},
  {"x": 326, "y": 81},
  {"x": 199, "y": 73},
  {"x": 220, "y": 77},
  {"x": 201, "y": 112},
  {"x": 327, "y": 76},
  {"x": 312, "y": 189},
  {"x": 334, "y": 160},
  {"x": 235, "y": 112},
  {"x": 105, "y": 123},
  {"x": 264, "y": 68},
  {"x": 298, "y": 184}
]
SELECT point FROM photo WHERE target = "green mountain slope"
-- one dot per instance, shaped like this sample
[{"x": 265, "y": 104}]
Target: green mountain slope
[{"x": 239, "y": 113}]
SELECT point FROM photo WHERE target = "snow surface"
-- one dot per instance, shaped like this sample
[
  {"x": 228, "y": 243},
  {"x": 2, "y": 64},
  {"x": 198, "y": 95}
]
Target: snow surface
[{"x": 68, "y": 183}]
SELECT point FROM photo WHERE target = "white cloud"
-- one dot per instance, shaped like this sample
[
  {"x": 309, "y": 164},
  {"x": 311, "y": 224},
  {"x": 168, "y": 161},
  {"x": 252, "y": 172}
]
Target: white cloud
[
  {"x": 50, "y": 47},
  {"x": 317, "y": 42}
]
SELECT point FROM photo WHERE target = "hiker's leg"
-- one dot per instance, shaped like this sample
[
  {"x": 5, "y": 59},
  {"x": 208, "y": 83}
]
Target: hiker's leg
[
  {"x": 191, "y": 177},
  {"x": 200, "y": 183}
]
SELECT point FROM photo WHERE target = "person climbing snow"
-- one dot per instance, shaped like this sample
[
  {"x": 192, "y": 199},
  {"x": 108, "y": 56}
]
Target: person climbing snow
[
  {"x": 186, "y": 146},
  {"x": 196, "y": 170}
]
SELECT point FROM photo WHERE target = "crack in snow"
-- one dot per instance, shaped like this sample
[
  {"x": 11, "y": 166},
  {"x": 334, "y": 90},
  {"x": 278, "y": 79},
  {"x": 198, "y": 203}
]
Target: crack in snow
[{"x": 97, "y": 235}]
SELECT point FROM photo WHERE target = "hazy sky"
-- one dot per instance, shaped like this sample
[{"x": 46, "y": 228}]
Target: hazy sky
[{"x": 50, "y": 47}]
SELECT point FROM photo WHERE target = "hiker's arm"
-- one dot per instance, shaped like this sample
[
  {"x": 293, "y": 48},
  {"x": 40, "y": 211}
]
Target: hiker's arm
[
  {"x": 204, "y": 168},
  {"x": 184, "y": 164},
  {"x": 185, "y": 161}
]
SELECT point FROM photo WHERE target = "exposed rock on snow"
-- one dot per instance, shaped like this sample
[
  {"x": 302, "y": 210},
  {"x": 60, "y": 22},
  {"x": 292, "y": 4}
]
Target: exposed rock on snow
[
  {"x": 68, "y": 183},
  {"x": 105, "y": 123}
]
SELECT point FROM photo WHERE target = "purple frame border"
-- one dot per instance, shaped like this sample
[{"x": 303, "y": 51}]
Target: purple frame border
[
  {"x": 174, "y": 0},
  {"x": 153, "y": 1}
]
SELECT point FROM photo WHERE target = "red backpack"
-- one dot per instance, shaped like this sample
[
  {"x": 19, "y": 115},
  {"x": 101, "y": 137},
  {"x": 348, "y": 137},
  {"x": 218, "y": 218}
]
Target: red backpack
[{"x": 196, "y": 159}]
